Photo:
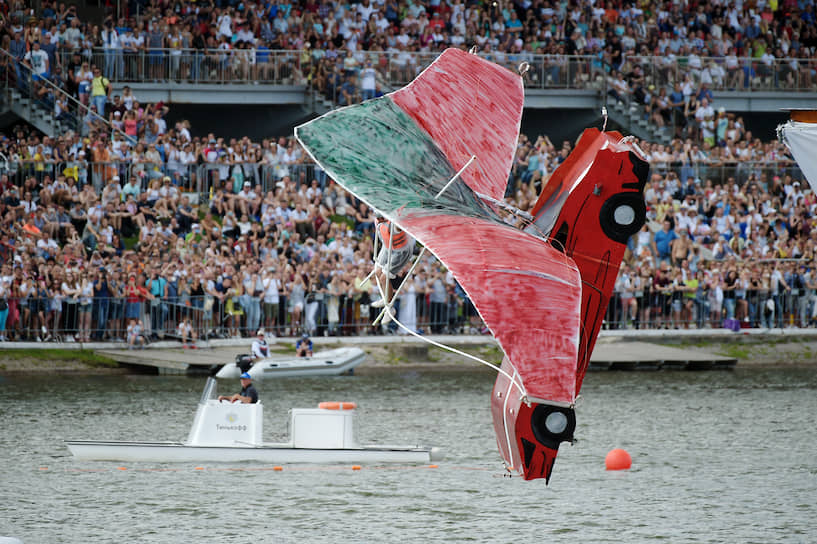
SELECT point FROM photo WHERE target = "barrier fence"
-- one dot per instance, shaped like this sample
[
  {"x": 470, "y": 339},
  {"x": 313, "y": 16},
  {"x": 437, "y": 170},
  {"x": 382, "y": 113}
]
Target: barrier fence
[
  {"x": 198, "y": 178},
  {"x": 65, "y": 319},
  {"x": 204, "y": 177},
  {"x": 397, "y": 68}
]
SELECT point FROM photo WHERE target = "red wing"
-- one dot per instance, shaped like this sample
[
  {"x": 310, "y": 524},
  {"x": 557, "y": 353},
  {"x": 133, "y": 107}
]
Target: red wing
[
  {"x": 469, "y": 106},
  {"x": 527, "y": 293}
]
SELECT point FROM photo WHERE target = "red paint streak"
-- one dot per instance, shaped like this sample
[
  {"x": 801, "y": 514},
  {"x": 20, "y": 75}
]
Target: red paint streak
[
  {"x": 509, "y": 276},
  {"x": 469, "y": 106}
]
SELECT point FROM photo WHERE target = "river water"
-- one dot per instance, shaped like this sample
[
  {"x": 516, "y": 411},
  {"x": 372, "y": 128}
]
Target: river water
[{"x": 717, "y": 457}]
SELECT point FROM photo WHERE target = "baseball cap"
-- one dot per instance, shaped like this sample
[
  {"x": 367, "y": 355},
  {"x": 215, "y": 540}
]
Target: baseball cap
[{"x": 246, "y": 376}]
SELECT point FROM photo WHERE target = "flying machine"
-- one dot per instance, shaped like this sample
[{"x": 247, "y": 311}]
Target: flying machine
[{"x": 434, "y": 159}]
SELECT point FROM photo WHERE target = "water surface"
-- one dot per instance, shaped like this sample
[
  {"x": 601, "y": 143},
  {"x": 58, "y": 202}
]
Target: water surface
[{"x": 717, "y": 457}]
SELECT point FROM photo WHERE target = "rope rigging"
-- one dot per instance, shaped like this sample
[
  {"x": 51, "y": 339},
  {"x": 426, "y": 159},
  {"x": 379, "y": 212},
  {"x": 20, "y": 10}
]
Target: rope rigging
[{"x": 514, "y": 379}]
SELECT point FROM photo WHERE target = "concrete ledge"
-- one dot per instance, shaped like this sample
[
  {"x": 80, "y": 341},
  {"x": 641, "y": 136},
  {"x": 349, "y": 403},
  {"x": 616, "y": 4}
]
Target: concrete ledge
[{"x": 452, "y": 340}]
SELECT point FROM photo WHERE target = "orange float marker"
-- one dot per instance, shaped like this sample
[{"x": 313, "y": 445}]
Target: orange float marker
[
  {"x": 198, "y": 468},
  {"x": 355, "y": 467},
  {"x": 278, "y": 469},
  {"x": 618, "y": 459},
  {"x": 337, "y": 405},
  {"x": 121, "y": 468}
]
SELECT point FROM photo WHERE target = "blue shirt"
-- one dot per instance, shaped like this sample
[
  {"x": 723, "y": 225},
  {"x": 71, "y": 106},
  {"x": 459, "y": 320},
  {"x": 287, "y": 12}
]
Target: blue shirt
[
  {"x": 300, "y": 342},
  {"x": 675, "y": 97},
  {"x": 157, "y": 287},
  {"x": 662, "y": 241}
]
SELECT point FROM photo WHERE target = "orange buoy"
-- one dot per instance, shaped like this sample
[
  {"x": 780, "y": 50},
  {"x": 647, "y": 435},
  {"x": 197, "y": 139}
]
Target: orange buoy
[
  {"x": 355, "y": 467},
  {"x": 337, "y": 405},
  {"x": 277, "y": 468},
  {"x": 618, "y": 459}
]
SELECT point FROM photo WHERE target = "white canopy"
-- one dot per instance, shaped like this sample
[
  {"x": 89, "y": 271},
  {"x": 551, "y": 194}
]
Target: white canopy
[{"x": 801, "y": 139}]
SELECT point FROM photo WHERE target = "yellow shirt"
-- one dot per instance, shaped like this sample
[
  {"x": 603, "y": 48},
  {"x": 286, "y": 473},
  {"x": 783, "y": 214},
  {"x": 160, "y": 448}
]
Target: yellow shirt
[{"x": 99, "y": 86}]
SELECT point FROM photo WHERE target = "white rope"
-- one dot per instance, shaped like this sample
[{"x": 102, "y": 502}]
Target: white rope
[
  {"x": 408, "y": 274},
  {"x": 379, "y": 317},
  {"x": 387, "y": 307},
  {"x": 518, "y": 384},
  {"x": 367, "y": 278},
  {"x": 505, "y": 420},
  {"x": 389, "y": 303}
]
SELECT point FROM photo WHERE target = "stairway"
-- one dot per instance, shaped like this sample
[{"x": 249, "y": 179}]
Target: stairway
[
  {"x": 631, "y": 117},
  {"x": 37, "y": 114},
  {"x": 315, "y": 103}
]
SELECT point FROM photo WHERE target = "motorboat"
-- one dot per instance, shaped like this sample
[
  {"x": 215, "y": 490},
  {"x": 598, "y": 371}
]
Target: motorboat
[
  {"x": 232, "y": 432},
  {"x": 330, "y": 362}
]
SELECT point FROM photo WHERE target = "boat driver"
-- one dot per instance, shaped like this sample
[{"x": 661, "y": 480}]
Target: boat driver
[
  {"x": 303, "y": 347},
  {"x": 248, "y": 393},
  {"x": 260, "y": 349}
]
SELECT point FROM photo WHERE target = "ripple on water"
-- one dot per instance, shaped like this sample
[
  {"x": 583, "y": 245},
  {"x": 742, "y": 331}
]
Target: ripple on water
[{"x": 717, "y": 457}]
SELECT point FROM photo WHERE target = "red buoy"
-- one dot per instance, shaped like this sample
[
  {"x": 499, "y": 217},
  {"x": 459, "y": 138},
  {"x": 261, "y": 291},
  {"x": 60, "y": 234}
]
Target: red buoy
[{"x": 618, "y": 459}]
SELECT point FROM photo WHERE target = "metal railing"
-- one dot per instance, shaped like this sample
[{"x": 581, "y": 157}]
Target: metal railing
[
  {"x": 395, "y": 69},
  {"x": 59, "y": 109},
  {"x": 733, "y": 171},
  {"x": 196, "y": 178},
  {"x": 280, "y": 67},
  {"x": 206, "y": 177},
  {"x": 61, "y": 319},
  {"x": 747, "y": 74},
  {"x": 704, "y": 308}
]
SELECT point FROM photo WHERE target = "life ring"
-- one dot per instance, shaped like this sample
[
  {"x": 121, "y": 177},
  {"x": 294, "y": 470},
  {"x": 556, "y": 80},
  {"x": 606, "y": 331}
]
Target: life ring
[{"x": 337, "y": 405}]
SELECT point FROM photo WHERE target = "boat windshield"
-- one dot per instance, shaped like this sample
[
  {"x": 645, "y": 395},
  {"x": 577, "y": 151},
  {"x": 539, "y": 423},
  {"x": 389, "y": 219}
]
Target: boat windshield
[{"x": 209, "y": 390}]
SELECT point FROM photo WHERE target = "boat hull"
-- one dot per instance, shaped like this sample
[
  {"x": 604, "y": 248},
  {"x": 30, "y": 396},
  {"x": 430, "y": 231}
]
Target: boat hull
[
  {"x": 324, "y": 363},
  {"x": 278, "y": 454}
]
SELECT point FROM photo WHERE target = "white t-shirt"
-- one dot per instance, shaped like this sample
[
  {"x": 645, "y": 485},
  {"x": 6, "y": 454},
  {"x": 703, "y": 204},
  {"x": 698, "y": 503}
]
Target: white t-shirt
[
  {"x": 38, "y": 61},
  {"x": 271, "y": 288},
  {"x": 368, "y": 79}
]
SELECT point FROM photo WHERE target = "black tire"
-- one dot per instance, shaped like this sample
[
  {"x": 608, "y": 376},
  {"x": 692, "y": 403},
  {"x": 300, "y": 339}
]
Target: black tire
[{"x": 622, "y": 215}]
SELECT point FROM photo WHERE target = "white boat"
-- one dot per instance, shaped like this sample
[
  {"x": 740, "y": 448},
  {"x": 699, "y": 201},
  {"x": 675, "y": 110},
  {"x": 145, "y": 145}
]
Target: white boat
[
  {"x": 323, "y": 363},
  {"x": 227, "y": 432}
]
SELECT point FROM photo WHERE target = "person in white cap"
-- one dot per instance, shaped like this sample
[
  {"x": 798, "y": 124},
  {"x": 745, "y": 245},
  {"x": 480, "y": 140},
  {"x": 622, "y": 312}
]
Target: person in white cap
[{"x": 260, "y": 349}]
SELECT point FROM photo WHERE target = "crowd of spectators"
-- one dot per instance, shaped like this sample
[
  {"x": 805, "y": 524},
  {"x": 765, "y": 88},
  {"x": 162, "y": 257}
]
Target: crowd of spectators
[
  {"x": 724, "y": 235},
  {"x": 349, "y": 49},
  {"x": 129, "y": 220},
  {"x": 88, "y": 246}
]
